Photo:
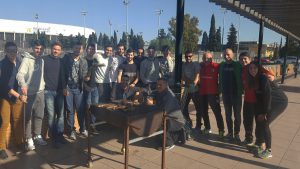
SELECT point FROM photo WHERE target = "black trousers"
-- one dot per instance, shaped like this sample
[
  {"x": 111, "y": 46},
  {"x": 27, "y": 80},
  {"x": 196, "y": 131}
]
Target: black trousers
[
  {"x": 248, "y": 118},
  {"x": 263, "y": 132},
  {"x": 213, "y": 100},
  {"x": 233, "y": 102},
  {"x": 195, "y": 97}
]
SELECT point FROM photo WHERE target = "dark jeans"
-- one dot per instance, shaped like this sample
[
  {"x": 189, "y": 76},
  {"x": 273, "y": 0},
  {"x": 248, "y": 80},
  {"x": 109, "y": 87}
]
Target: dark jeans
[
  {"x": 233, "y": 102},
  {"x": 54, "y": 103},
  {"x": 104, "y": 92},
  {"x": 75, "y": 100},
  {"x": 213, "y": 100},
  {"x": 91, "y": 98},
  {"x": 263, "y": 132},
  {"x": 195, "y": 97},
  {"x": 248, "y": 116}
]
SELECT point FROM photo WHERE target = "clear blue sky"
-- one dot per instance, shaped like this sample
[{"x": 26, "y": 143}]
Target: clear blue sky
[{"x": 142, "y": 17}]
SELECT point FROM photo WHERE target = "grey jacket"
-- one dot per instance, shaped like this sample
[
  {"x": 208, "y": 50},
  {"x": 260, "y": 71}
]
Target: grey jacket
[{"x": 31, "y": 74}]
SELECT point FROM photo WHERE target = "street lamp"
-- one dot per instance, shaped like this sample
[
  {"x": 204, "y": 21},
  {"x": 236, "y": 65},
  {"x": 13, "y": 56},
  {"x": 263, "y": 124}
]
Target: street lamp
[
  {"x": 224, "y": 12},
  {"x": 110, "y": 24},
  {"x": 37, "y": 25},
  {"x": 158, "y": 12},
  {"x": 83, "y": 13},
  {"x": 126, "y": 2}
]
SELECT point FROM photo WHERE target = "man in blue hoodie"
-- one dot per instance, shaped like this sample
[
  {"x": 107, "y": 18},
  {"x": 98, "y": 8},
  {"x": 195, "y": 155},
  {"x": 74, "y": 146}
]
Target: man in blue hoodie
[{"x": 31, "y": 80}]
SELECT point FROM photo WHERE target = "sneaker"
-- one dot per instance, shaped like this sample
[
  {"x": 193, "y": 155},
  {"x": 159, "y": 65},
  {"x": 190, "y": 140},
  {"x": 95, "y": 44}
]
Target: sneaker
[
  {"x": 94, "y": 131},
  {"x": 39, "y": 140},
  {"x": 167, "y": 148},
  {"x": 206, "y": 131},
  {"x": 229, "y": 137},
  {"x": 29, "y": 145},
  {"x": 237, "y": 138},
  {"x": 84, "y": 133},
  {"x": 170, "y": 147},
  {"x": 3, "y": 154},
  {"x": 265, "y": 154},
  {"x": 221, "y": 134},
  {"x": 248, "y": 142},
  {"x": 197, "y": 130},
  {"x": 72, "y": 135}
]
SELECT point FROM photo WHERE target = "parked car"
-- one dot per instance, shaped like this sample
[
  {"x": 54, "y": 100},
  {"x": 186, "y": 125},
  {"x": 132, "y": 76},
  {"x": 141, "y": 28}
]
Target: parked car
[{"x": 289, "y": 60}]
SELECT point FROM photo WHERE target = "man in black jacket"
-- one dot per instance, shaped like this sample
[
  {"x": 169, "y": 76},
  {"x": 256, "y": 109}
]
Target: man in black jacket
[{"x": 75, "y": 72}]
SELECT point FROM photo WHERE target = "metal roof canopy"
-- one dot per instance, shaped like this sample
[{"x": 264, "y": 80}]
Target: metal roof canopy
[{"x": 282, "y": 16}]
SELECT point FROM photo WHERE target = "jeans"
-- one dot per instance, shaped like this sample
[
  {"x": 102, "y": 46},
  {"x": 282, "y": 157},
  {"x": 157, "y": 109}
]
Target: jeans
[
  {"x": 54, "y": 103},
  {"x": 91, "y": 98},
  {"x": 233, "y": 102},
  {"x": 75, "y": 96}
]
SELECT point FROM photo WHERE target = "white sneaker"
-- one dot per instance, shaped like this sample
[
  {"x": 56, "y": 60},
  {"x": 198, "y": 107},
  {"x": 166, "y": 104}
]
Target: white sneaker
[
  {"x": 85, "y": 133},
  {"x": 39, "y": 140},
  {"x": 29, "y": 145}
]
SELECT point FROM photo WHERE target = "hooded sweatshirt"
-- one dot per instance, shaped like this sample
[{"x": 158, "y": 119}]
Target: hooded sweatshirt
[{"x": 31, "y": 74}]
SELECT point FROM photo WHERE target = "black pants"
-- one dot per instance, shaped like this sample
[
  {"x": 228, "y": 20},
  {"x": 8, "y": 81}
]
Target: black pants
[
  {"x": 263, "y": 132},
  {"x": 213, "y": 100},
  {"x": 195, "y": 97},
  {"x": 233, "y": 102},
  {"x": 248, "y": 116}
]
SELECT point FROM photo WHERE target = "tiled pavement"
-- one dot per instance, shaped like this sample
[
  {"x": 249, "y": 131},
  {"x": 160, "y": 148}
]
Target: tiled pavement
[{"x": 202, "y": 152}]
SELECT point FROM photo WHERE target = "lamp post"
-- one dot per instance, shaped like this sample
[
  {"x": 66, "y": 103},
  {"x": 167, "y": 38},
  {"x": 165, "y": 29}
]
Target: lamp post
[
  {"x": 126, "y": 2},
  {"x": 224, "y": 12},
  {"x": 158, "y": 12},
  {"x": 37, "y": 25},
  {"x": 83, "y": 13}
]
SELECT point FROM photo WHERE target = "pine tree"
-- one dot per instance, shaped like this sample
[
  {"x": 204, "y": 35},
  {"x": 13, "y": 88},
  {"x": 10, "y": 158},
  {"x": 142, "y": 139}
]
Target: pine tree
[
  {"x": 100, "y": 41},
  {"x": 204, "y": 43},
  {"x": 105, "y": 40},
  {"x": 218, "y": 38},
  {"x": 232, "y": 38},
  {"x": 212, "y": 41}
]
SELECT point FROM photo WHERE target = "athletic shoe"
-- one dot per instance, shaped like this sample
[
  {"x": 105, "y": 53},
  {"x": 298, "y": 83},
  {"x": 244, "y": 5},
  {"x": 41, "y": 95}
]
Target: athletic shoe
[
  {"x": 237, "y": 138},
  {"x": 84, "y": 133},
  {"x": 29, "y": 145},
  {"x": 265, "y": 154},
  {"x": 3, "y": 154},
  {"x": 248, "y": 142},
  {"x": 206, "y": 131},
  {"x": 170, "y": 147},
  {"x": 229, "y": 137},
  {"x": 72, "y": 135},
  {"x": 221, "y": 134},
  {"x": 39, "y": 140}
]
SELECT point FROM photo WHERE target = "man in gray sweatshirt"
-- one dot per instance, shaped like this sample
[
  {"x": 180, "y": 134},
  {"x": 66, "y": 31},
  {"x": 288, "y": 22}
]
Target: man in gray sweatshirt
[{"x": 31, "y": 80}]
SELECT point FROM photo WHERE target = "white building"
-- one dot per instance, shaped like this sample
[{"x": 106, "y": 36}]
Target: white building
[{"x": 28, "y": 27}]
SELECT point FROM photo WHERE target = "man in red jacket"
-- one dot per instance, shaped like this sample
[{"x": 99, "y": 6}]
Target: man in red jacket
[{"x": 209, "y": 93}]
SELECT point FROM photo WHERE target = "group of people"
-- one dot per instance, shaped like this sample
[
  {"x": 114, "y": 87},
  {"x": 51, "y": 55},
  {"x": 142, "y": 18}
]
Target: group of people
[
  {"x": 205, "y": 81},
  {"x": 33, "y": 83}
]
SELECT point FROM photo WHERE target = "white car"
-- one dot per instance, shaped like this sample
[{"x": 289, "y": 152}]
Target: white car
[{"x": 289, "y": 60}]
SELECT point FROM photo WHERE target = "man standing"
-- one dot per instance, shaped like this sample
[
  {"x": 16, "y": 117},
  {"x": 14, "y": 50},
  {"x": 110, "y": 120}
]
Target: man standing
[
  {"x": 209, "y": 93},
  {"x": 230, "y": 85},
  {"x": 54, "y": 98},
  {"x": 190, "y": 77},
  {"x": 128, "y": 68},
  {"x": 167, "y": 65},
  {"x": 114, "y": 62},
  {"x": 139, "y": 57},
  {"x": 75, "y": 73},
  {"x": 101, "y": 74},
  {"x": 11, "y": 101},
  {"x": 149, "y": 69},
  {"x": 31, "y": 81}
]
